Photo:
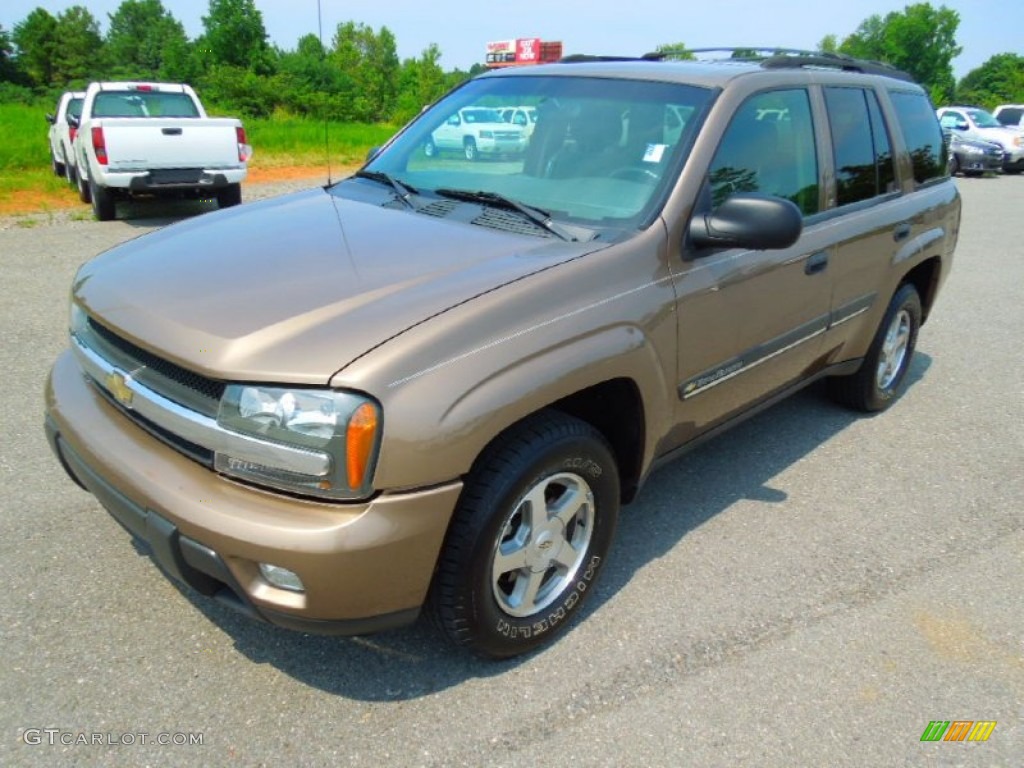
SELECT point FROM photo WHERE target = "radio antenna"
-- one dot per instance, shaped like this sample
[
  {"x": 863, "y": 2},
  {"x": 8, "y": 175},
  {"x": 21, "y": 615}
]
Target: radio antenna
[{"x": 327, "y": 138}]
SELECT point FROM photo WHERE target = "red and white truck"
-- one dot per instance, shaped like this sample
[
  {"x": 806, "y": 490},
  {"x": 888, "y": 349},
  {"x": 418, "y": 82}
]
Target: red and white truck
[{"x": 145, "y": 139}]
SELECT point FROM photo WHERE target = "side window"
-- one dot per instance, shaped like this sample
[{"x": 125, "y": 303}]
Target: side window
[
  {"x": 769, "y": 147},
  {"x": 953, "y": 120},
  {"x": 860, "y": 146},
  {"x": 921, "y": 134},
  {"x": 883, "y": 147}
]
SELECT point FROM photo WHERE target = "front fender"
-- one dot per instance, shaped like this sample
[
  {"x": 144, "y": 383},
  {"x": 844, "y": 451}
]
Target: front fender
[{"x": 451, "y": 385}]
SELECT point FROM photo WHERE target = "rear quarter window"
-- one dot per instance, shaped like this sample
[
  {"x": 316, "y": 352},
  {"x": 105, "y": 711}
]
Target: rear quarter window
[{"x": 921, "y": 134}]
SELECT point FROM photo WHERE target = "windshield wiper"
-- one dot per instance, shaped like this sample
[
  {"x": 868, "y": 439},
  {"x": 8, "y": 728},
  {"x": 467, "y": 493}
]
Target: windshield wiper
[
  {"x": 537, "y": 215},
  {"x": 403, "y": 190}
]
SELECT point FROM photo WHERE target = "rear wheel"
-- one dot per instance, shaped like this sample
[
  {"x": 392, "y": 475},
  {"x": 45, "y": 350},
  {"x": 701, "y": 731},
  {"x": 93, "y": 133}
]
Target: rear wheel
[
  {"x": 882, "y": 376},
  {"x": 528, "y": 538},
  {"x": 83, "y": 189},
  {"x": 229, "y": 196},
  {"x": 56, "y": 165},
  {"x": 102, "y": 202}
]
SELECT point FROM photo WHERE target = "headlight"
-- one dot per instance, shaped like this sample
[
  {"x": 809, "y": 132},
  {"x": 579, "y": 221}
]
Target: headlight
[
  {"x": 1018, "y": 141},
  {"x": 342, "y": 426},
  {"x": 974, "y": 150}
]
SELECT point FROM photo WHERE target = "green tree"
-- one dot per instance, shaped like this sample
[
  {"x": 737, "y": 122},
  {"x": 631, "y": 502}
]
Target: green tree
[
  {"x": 920, "y": 40},
  {"x": 235, "y": 35},
  {"x": 144, "y": 40},
  {"x": 999, "y": 80},
  {"x": 370, "y": 62},
  {"x": 676, "y": 51},
  {"x": 829, "y": 44},
  {"x": 421, "y": 81},
  {"x": 37, "y": 43},
  {"x": 80, "y": 51}
]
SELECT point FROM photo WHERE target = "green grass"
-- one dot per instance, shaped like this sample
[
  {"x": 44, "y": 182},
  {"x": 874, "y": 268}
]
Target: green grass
[
  {"x": 300, "y": 141},
  {"x": 24, "y": 144}
]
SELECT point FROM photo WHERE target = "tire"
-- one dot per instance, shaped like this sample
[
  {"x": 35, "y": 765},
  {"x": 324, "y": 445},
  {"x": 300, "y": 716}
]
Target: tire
[
  {"x": 229, "y": 196},
  {"x": 506, "y": 583},
  {"x": 430, "y": 148},
  {"x": 102, "y": 202},
  {"x": 83, "y": 189},
  {"x": 69, "y": 172},
  {"x": 469, "y": 149},
  {"x": 954, "y": 166},
  {"x": 881, "y": 378},
  {"x": 57, "y": 167}
]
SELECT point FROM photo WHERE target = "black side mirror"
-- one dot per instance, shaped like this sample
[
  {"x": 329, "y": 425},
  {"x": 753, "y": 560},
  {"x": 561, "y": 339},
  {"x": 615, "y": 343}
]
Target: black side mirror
[
  {"x": 748, "y": 220},
  {"x": 73, "y": 121},
  {"x": 51, "y": 119}
]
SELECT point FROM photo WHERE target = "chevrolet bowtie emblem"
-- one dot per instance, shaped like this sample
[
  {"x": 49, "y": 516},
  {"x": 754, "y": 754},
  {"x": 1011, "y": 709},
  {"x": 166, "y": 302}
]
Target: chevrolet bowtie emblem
[{"x": 117, "y": 385}]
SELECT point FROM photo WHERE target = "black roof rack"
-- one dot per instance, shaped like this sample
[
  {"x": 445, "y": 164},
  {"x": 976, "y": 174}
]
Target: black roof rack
[
  {"x": 785, "y": 58},
  {"x": 578, "y": 58}
]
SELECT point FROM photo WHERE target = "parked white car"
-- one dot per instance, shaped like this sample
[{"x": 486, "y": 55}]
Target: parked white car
[
  {"x": 476, "y": 131},
  {"x": 62, "y": 133},
  {"x": 156, "y": 139},
  {"x": 975, "y": 123},
  {"x": 524, "y": 117}
]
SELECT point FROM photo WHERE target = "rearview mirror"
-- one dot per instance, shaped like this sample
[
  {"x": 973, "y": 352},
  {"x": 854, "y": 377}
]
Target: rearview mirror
[{"x": 748, "y": 220}]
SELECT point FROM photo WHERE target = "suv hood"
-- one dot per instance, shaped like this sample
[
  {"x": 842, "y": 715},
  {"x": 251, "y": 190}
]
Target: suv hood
[{"x": 295, "y": 288}]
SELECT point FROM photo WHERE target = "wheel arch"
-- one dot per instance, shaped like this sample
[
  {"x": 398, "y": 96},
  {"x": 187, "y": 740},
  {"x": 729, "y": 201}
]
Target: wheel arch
[{"x": 925, "y": 277}]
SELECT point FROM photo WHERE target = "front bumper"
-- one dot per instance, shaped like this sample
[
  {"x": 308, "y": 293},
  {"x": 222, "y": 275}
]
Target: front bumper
[{"x": 365, "y": 567}]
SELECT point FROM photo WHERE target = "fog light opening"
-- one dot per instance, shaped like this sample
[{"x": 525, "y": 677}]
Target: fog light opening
[{"x": 281, "y": 578}]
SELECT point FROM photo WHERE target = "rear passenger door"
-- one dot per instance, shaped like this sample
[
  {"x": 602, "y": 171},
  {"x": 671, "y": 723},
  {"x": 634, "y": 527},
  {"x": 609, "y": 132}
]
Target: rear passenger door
[
  {"x": 751, "y": 322},
  {"x": 883, "y": 223}
]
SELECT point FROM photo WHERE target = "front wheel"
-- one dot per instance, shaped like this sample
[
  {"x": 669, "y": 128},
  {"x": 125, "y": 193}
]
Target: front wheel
[
  {"x": 529, "y": 536},
  {"x": 882, "y": 375},
  {"x": 469, "y": 149},
  {"x": 430, "y": 148}
]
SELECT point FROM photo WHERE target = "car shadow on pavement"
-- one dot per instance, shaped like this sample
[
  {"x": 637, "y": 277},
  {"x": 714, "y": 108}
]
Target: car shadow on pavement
[
  {"x": 159, "y": 212},
  {"x": 415, "y": 661}
]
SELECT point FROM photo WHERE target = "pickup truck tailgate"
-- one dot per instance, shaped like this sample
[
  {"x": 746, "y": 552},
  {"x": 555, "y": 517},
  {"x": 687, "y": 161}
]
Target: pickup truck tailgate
[{"x": 151, "y": 144}]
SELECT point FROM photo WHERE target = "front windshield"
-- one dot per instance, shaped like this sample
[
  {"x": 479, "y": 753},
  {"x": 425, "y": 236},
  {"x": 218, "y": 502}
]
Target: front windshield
[
  {"x": 587, "y": 150},
  {"x": 983, "y": 119}
]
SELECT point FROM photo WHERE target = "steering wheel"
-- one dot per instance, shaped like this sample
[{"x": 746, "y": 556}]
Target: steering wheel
[{"x": 633, "y": 173}]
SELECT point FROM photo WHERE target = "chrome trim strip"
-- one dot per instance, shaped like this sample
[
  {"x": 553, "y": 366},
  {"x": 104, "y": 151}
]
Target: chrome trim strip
[
  {"x": 197, "y": 428},
  {"x": 750, "y": 366},
  {"x": 858, "y": 313}
]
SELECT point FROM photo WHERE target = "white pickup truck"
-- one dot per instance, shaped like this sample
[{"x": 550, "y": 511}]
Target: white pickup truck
[
  {"x": 63, "y": 126},
  {"x": 137, "y": 139}
]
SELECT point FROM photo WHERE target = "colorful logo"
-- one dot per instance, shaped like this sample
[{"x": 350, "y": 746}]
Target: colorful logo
[{"x": 958, "y": 730}]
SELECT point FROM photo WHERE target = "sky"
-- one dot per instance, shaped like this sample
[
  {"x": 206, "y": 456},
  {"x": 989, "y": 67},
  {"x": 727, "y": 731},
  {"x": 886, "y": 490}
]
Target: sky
[{"x": 631, "y": 27}]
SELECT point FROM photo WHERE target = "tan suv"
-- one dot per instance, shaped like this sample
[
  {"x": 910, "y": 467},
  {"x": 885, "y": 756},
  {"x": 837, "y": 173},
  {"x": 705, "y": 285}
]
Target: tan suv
[{"x": 434, "y": 383}]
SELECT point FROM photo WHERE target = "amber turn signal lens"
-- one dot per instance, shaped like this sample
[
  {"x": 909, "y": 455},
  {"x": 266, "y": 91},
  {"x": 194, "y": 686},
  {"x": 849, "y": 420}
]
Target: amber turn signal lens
[{"x": 362, "y": 431}]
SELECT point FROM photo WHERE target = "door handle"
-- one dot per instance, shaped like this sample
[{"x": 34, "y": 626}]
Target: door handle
[
  {"x": 902, "y": 232},
  {"x": 816, "y": 263},
  {"x": 171, "y": 131}
]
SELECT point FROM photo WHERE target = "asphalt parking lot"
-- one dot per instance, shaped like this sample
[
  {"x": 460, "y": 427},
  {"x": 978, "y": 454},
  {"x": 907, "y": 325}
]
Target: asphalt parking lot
[{"x": 812, "y": 588}]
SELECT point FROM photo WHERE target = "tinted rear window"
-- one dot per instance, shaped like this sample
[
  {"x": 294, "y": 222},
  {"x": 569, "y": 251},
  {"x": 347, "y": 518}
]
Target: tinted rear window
[
  {"x": 143, "y": 104},
  {"x": 1010, "y": 116},
  {"x": 921, "y": 134}
]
